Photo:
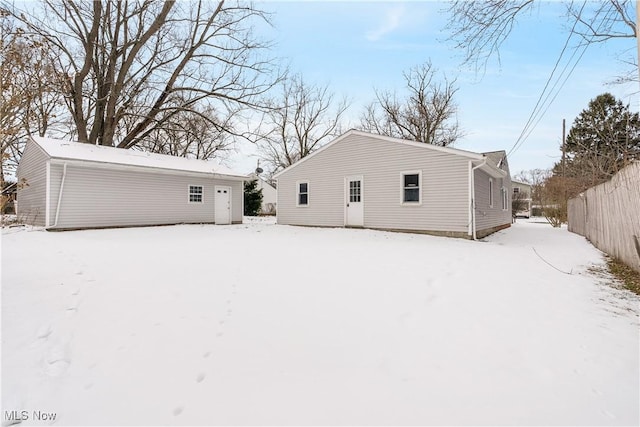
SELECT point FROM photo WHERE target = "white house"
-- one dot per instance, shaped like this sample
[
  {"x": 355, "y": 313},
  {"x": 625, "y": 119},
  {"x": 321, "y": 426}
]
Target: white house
[
  {"x": 366, "y": 180},
  {"x": 68, "y": 185},
  {"x": 522, "y": 191},
  {"x": 269, "y": 195}
]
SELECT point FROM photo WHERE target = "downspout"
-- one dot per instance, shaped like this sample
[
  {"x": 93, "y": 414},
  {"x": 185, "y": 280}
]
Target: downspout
[
  {"x": 473, "y": 197},
  {"x": 64, "y": 175}
]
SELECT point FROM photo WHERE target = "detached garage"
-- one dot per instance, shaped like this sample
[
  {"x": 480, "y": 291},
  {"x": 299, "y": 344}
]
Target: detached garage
[{"x": 68, "y": 185}]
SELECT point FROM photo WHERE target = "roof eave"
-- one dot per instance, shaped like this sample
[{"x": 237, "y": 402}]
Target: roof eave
[
  {"x": 168, "y": 171},
  {"x": 454, "y": 151}
]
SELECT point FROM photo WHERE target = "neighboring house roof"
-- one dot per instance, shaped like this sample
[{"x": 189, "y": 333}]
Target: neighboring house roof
[
  {"x": 496, "y": 158},
  {"x": 75, "y": 151},
  {"x": 491, "y": 167},
  {"x": 253, "y": 176},
  {"x": 524, "y": 184}
]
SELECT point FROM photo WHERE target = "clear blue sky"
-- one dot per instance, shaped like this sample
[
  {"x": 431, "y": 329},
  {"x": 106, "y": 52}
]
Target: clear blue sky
[{"x": 355, "y": 47}]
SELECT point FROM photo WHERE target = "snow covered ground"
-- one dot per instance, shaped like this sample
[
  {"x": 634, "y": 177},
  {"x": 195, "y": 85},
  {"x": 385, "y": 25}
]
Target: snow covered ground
[{"x": 266, "y": 324}]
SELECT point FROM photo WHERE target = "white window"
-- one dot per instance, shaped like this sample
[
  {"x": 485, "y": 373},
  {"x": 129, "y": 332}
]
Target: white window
[
  {"x": 411, "y": 188},
  {"x": 302, "y": 193},
  {"x": 504, "y": 198},
  {"x": 490, "y": 192},
  {"x": 195, "y": 194}
]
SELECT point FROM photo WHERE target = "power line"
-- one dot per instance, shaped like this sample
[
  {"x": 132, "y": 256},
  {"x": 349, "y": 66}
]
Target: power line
[
  {"x": 541, "y": 109},
  {"x": 535, "y": 111}
]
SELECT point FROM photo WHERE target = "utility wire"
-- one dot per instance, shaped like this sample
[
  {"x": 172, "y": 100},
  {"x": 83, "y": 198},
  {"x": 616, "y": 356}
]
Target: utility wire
[
  {"x": 575, "y": 64},
  {"x": 536, "y": 111}
]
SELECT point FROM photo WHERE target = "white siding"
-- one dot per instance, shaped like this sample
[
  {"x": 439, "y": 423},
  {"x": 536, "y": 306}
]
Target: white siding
[
  {"x": 31, "y": 177},
  {"x": 269, "y": 196},
  {"x": 488, "y": 217},
  {"x": 104, "y": 197},
  {"x": 444, "y": 186}
]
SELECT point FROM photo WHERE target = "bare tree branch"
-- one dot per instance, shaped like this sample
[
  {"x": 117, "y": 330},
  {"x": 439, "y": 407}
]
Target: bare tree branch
[
  {"x": 300, "y": 119},
  {"x": 131, "y": 66},
  {"x": 427, "y": 114},
  {"x": 479, "y": 28},
  {"x": 30, "y": 100}
]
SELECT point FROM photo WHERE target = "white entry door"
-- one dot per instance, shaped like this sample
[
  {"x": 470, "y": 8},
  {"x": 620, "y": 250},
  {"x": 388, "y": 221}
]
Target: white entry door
[
  {"x": 222, "y": 205},
  {"x": 354, "y": 201}
]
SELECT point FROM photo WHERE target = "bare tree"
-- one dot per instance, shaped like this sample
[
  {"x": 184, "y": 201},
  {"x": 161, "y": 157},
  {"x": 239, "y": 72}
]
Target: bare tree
[
  {"x": 604, "y": 20},
  {"x": 520, "y": 203},
  {"x": 191, "y": 135},
  {"x": 427, "y": 114},
  {"x": 29, "y": 91},
  {"x": 480, "y": 27},
  {"x": 300, "y": 118},
  {"x": 131, "y": 67},
  {"x": 549, "y": 193},
  {"x": 536, "y": 178}
]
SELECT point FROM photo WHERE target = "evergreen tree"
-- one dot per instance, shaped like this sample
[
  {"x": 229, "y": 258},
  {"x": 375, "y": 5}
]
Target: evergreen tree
[
  {"x": 604, "y": 138},
  {"x": 252, "y": 198}
]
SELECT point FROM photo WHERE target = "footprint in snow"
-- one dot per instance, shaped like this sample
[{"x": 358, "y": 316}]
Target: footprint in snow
[
  {"x": 177, "y": 410},
  {"x": 608, "y": 414},
  {"x": 56, "y": 361},
  {"x": 207, "y": 354},
  {"x": 44, "y": 331},
  {"x": 201, "y": 376}
]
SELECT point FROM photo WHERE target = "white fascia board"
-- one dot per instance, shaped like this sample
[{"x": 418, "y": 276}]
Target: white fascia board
[
  {"x": 320, "y": 150},
  {"x": 433, "y": 147},
  {"x": 147, "y": 169},
  {"x": 454, "y": 151},
  {"x": 492, "y": 170}
]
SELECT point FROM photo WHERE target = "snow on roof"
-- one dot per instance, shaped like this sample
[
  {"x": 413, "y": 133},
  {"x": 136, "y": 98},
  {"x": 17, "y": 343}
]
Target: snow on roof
[
  {"x": 521, "y": 183},
  {"x": 60, "y": 149}
]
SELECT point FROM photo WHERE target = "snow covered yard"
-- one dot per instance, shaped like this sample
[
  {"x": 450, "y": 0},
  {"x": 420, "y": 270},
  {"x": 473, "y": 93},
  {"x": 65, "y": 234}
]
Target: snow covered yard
[{"x": 266, "y": 324}]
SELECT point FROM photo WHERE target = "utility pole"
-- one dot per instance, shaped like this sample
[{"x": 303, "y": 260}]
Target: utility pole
[{"x": 564, "y": 144}]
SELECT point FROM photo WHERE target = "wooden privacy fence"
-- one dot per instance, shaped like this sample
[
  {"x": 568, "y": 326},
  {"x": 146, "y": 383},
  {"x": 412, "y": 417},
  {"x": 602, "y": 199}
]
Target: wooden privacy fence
[{"x": 609, "y": 215}]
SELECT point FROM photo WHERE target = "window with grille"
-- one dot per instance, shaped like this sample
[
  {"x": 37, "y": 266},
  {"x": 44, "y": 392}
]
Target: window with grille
[
  {"x": 355, "y": 191},
  {"x": 195, "y": 194}
]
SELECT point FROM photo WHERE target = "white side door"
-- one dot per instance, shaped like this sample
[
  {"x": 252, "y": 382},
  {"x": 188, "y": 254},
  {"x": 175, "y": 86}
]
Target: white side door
[
  {"x": 354, "y": 195},
  {"x": 222, "y": 205}
]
